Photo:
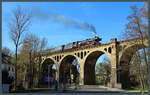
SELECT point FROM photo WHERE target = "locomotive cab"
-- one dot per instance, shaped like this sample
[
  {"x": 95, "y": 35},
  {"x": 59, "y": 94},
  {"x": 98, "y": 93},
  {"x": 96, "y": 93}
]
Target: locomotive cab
[{"x": 97, "y": 39}]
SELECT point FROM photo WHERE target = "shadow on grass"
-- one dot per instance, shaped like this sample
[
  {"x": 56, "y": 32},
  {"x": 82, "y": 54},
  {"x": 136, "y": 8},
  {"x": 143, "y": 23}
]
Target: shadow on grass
[
  {"x": 135, "y": 89},
  {"x": 32, "y": 90}
]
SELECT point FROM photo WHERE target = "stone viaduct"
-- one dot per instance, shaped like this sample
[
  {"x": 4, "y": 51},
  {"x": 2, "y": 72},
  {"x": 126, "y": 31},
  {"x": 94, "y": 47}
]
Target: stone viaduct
[{"x": 119, "y": 53}]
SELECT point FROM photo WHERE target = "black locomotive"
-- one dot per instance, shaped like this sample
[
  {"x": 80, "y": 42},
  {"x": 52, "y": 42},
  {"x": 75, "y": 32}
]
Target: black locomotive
[{"x": 73, "y": 45}]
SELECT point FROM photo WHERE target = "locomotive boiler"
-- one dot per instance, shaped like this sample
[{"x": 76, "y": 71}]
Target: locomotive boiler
[{"x": 73, "y": 45}]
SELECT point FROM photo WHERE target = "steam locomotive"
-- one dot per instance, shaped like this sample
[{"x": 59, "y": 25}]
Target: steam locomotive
[{"x": 73, "y": 45}]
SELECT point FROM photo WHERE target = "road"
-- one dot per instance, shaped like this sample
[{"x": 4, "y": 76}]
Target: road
[{"x": 87, "y": 92}]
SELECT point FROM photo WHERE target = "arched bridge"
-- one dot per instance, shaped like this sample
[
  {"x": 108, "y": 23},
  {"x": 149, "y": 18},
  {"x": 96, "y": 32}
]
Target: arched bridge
[{"x": 119, "y": 53}]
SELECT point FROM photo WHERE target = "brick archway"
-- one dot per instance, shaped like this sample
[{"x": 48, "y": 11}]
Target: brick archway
[
  {"x": 124, "y": 61},
  {"x": 89, "y": 66},
  {"x": 47, "y": 70},
  {"x": 65, "y": 68}
]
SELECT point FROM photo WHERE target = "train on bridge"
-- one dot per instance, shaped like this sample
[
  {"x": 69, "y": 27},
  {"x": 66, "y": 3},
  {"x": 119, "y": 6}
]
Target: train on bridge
[{"x": 73, "y": 45}]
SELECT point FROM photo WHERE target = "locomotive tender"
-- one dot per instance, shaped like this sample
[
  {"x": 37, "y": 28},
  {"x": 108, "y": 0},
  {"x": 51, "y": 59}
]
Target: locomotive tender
[{"x": 73, "y": 45}]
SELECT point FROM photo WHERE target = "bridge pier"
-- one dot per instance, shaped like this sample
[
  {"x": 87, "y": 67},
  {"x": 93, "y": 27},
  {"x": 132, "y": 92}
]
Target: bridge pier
[
  {"x": 114, "y": 62},
  {"x": 89, "y": 70},
  {"x": 57, "y": 72},
  {"x": 124, "y": 74},
  {"x": 81, "y": 77}
]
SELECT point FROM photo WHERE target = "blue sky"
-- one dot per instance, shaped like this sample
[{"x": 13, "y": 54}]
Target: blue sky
[{"x": 109, "y": 19}]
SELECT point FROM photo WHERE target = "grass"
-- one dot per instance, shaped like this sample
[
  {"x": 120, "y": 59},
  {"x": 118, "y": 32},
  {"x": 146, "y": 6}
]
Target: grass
[
  {"x": 79, "y": 85},
  {"x": 32, "y": 90},
  {"x": 135, "y": 89}
]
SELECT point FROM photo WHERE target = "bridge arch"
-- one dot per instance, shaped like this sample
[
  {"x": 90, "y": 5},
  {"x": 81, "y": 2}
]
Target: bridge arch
[
  {"x": 47, "y": 58},
  {"x": 65, "y": 68},
  {"x": 64, "y": 57},
  {"x": 48, "y": 68},
  {"x": 89, "y": 66},
  {"x": 130, "y": 50},
  {"x": 125, "y": 57},
  {"x": 98, "y": 50}
]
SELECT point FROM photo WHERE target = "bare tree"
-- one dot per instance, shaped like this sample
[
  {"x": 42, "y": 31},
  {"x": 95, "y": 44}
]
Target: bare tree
[
  {"x": 31, "y": 44},
  {"x": 138, "y": 70},
  {"x": 137, "y": 27},
  {"x": 17, "y": 26},
  {"x": 42, "y": 46}
]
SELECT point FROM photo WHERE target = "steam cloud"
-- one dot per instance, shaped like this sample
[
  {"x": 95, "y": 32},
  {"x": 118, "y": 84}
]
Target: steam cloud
[{"x": 55, "y": 17}]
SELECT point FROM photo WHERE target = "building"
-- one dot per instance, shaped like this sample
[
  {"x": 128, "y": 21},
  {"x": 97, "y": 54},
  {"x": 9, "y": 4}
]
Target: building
[{"x": 8, "y": 73}]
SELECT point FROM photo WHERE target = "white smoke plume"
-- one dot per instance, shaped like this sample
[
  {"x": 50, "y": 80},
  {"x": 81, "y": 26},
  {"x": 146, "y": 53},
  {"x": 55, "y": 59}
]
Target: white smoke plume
[{"x": 67, "y": 22}]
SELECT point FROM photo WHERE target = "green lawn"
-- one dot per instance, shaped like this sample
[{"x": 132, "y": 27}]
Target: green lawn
[{"x": 134, "y": 89}]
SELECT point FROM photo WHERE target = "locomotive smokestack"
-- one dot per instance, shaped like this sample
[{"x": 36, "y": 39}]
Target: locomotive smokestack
[{"x": 94, "y": 31}]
